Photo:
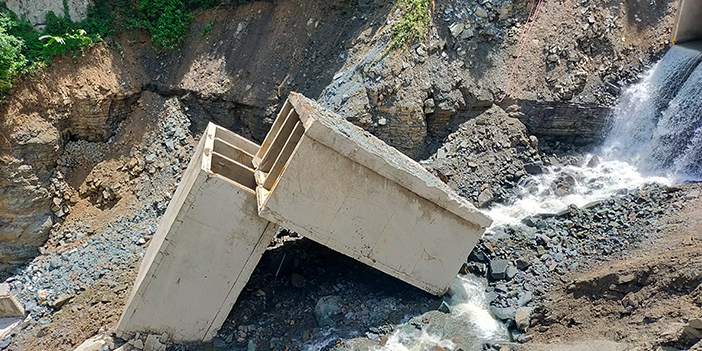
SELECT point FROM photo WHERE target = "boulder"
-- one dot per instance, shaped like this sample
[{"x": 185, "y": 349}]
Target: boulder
[{"x": 327, "y": 307}]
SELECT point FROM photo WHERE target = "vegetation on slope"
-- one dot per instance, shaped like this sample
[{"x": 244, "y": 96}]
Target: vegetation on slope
[
  {"x": 23, "y": 49},
  {"x": 414, "y": 23}
]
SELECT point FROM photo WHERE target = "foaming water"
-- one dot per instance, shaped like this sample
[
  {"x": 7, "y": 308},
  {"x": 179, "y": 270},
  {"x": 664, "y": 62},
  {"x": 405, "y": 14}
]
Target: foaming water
[
  {"x": 658, "y": 122},
  {"x": 561, "y": 186},
  {"x": 327, "y": 340},
  {"x": 468, "y": 301},
  {"x": 467, "y": 327},
  {"x": 639, "y": 107}
]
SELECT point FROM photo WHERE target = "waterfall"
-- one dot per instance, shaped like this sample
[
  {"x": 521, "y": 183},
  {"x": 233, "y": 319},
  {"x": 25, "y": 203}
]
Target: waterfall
[
  {"x": 657, "y": 121},
  {"x": 673, "y": 143},
  {"x": 656, "y": 137}
]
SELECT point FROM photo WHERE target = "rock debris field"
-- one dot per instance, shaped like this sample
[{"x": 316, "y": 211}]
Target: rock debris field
[{"x": 303, "y": 296}]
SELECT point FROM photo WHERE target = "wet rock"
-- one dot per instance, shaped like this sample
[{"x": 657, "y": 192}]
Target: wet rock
[
  {"x": 476, "y": 268},
  {"x": 534, "y": 168},
  {"x": 594, "y": 161},
  {"x": 503, "y": 314},
  {"x": 445, "y": 308},
  {"x": 327, "y": 307},
  {"x": 498, "y": 269}
]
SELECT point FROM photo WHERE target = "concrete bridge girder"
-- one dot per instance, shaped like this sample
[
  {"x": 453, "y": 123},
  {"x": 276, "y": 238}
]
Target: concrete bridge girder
[{"x": 316, "y": 174}]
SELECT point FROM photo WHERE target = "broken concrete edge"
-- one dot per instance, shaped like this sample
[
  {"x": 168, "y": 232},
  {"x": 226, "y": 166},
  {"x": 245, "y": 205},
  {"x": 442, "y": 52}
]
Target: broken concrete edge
[
  {"x": 141, "y": 341},
  {"x": 360, "y": 146},
  {"x": 10, "y": 306},
  {"x": 96, "y": 343}
]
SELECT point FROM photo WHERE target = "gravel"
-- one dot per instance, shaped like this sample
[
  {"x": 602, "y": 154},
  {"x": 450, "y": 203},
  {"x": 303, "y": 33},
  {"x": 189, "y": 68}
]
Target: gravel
[{"x": 545, "y": 247}]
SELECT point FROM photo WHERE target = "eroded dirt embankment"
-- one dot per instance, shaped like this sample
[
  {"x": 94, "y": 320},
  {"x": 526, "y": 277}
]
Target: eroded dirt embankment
[
  {"x": 639, "y": 299},
  {"x": 234, "y": 76}
]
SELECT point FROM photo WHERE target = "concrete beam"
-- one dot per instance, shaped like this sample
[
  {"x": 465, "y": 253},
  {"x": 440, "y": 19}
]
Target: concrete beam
[
  {"x": 206, "y": 246},
  {"x": 344, "y": 188},
  {"x": 688, "y": 26}
]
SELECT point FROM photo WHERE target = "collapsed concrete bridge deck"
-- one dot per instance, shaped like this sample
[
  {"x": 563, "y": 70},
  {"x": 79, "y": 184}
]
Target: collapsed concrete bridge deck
[{"x": 316, "y": 174}]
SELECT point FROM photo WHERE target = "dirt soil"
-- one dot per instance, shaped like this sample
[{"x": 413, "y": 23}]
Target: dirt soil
[{"x": 639, "y": 301}]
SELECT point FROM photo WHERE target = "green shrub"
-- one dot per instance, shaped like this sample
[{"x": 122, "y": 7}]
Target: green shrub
[
  {"x": 415, "y": 22},
  {"x": 11, "y": 58},
  {"x": 58, "y": 25},
  {"x": 25, "y": 33},
  {"x": 72, "y": 42},
  {"x": 167, "y": 20},
  {"x": 111, "y": 17}
]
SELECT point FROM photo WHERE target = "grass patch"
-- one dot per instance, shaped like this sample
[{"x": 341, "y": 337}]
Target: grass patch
[
  {"x": 414, "y": 23},
  {"x": 208, "y": 29}
]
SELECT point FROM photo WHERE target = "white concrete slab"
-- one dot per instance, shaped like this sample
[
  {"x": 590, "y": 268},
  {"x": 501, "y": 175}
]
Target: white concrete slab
[
  {"x": 205, "y": 249},
  {"x": 346, "y": 189},
  {"x": 688, "y": 25}
]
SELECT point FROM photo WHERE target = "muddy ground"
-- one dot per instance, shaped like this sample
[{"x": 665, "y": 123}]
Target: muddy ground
[{"x": 640, "y": 299}]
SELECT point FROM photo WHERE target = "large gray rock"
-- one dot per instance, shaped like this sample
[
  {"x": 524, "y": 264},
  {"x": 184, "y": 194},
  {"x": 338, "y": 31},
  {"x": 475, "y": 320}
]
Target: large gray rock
[
  {"x": 327, "y": 307},
  {"x": 35, "y": 11},
  {"x": 498, "y": 269}
]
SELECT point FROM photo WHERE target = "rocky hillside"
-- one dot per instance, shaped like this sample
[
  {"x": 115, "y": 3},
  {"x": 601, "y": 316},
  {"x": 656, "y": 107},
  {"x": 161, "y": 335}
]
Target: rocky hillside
[{"x": 237, "y": 72}]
